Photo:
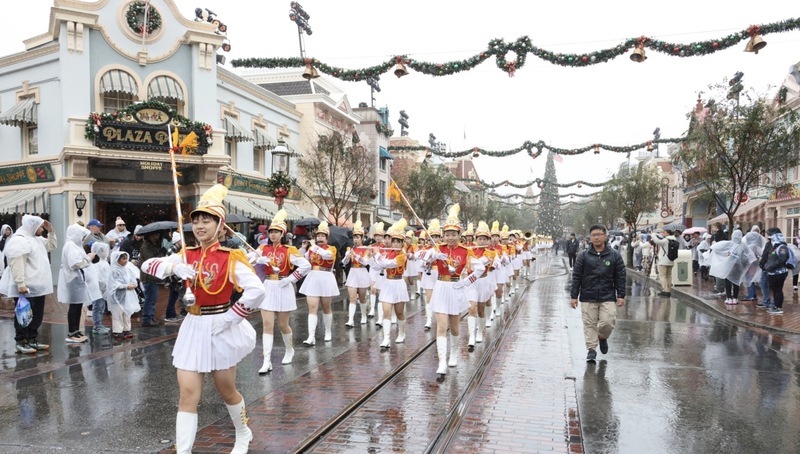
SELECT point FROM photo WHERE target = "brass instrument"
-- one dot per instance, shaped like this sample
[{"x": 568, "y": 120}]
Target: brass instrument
[{"x": 528, "y": 234}]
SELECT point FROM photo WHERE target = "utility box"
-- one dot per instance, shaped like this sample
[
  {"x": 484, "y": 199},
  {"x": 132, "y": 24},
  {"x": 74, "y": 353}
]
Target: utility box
[{"x": 682, "y": 268}]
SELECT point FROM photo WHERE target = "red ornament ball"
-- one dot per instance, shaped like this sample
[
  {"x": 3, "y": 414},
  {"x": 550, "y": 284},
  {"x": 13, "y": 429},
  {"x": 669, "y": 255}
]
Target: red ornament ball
[
  {"x": 676, "y": 50},
  {"x": 584, "y": 59},
  {"x": 715, "y": 45}
]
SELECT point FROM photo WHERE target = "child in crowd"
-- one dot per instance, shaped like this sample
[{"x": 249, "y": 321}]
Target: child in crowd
[
  {"x": 121, "y": 295},
  {"x": 97, "y": 280}
]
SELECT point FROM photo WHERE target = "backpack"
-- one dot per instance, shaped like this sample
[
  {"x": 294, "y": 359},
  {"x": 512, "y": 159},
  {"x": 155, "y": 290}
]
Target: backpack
[{"x": 672, "y": 250}]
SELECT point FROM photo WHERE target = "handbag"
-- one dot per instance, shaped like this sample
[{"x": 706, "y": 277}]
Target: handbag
[{"x": 23, "y": 311}]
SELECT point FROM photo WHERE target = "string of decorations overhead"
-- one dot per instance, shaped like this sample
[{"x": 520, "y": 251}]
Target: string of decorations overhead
[
  {"x": 535, "y": 149},
  {"x": 521, "y": 47},
  {"x": 533, "y": 197},
  {"x": 538, "y": 204},
  {"x": 539, "y": 182}
]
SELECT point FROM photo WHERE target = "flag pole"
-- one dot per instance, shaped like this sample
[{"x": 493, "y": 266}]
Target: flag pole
[
  {"x": 403, "y": 196},
  {"x": 188, "y": 297}
]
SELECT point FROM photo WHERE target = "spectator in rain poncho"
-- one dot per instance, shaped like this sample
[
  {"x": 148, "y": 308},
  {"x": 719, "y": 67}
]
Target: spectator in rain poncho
[
  {"x": 5, "y": 234},
  {"x": 73, "y": 288},
  {"x": 730, "y": 260},
  {"x": 704, "y": 255},
  {"x": 796, "y": 250},
  {"x": 121, "y": 295},
  {"x": 96, "y": 278},
  {"x": 756, "y": 242}
]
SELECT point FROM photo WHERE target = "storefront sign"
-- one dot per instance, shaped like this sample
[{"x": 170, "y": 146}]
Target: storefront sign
[
  {"x": 152, "y": 165},
  {"x": 37, "y": 173},
  {"x": 791, "y": 211},
  {"x": 241, "y": 183}
]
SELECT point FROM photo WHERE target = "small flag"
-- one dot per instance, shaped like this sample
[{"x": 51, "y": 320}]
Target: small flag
[
  {"x": 394, "y": 192},
  {"x": 557, "y": 157}
]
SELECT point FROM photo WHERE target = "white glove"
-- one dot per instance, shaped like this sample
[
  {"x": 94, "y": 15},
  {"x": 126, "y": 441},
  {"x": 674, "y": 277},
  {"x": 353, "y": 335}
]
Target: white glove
[
  {"x": 459, "y": 284},
  {"x": 252, "y": 256},
  {"x": 377, "y": 257},
  {"x": 284, "y": 283},
  {"x": 222, "y": 323},
  {"x": 439, "y": 256},
  {"x": 183, "y": 271},
  {"x": 263, "y": 260}
]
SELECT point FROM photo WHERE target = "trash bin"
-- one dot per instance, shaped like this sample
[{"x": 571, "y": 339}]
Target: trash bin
[{"x": 682, "y": 268}]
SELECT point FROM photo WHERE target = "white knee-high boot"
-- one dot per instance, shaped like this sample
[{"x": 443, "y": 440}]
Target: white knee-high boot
[
  {"x": 471, "y": 330},
  {"x": 267, "y": 341},
  {"x": 185, "y": 431},
  {"x": 327, "y": 322},
  {"x": 479, "y": 334},
  {"x": 401, "y": 332},
  {"x": 387, "y": 333},
  {"x": 379, "y": 317},
  {"x": 312, "y": 328},
  {"x": 288, "y": 342},
  {"x": 441, "y": 351},
  {"x": 243, "y": 433},
  {"x": 364, "y": 314},
  {"x": 351, "y": 313},
  {"x": 453, "y": 351},
  {"x": 373, "y": 298}
]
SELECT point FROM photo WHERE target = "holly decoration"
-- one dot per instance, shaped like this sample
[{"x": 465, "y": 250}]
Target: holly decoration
[
  {"x": 279, "y": 184},
  {"x": 135, "y": 15},
  {"x": 521, "y": 48}
]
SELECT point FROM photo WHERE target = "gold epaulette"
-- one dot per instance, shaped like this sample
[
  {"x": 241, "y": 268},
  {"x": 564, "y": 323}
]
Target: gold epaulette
[{"x": 226, "y": 249}]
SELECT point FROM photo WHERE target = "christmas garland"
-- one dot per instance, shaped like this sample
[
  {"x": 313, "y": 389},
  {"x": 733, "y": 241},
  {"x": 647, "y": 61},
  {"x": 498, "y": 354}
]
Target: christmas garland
[
  {"x": 535, "y": 149},
  {"x": 136, "y": 12},
  {"x": 539, "y": 182},
  {"x": 521, "y": 48},
  {"x": 384, "y": 129},
  {"x": 531, "y": 197},
  {"x": 279, "y": 184},
  {"x": 96, "y": 120}
]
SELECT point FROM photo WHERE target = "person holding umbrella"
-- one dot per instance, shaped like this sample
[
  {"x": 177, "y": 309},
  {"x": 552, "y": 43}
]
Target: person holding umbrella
[
  {"x": 278, "y": 260},
  {"x": 320, "y": 284},
  {"x": 212, "y": 339}
]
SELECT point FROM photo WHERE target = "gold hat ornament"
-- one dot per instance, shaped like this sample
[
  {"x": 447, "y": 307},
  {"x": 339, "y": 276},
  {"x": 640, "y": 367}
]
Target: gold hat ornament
[
  {"x": 358, "y": 228},
  {"x": 378, "y": 228},
  {"x": 410, "y": 234},
  {"x": 504, "y": 232},
  {"x": 452, "y": 222},
  {"x": 279, "y": 221},
  {"x": 435, "y": 228},
  {"x": 495, "y": 228},
  {"x": 469, "y": 231},
  {"x": 323, "y": 228},
  {"x": 482, "y": 230},
  {"x": 398, "y": 230},
  {"x": 211, "y": 202}
]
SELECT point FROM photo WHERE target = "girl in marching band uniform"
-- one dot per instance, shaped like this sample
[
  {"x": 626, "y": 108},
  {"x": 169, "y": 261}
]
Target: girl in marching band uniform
[
  {"x": 394, "y": 293},
  {"x": 431, "y": 273},
  {"x": 374, "y": 271},
  {"x": 516, "y": 262},
  {"x": 320, "y": 285},
  {"x": 410, "y": 273},
  {"x": 468, "y": 238},
  {"x": 449, "y": 297},
  {"x": 277, "y": 260},
  {"x": 500, "y": 276},
  {"x": 509, "y": 268},
  {"x": 358, "y": 279},
  {"x": 482, "y": 291},
  {"x": 212, "y": 338}
]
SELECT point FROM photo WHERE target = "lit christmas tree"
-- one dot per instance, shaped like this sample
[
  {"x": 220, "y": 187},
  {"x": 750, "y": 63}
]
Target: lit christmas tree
[{"x": 549, "y": 203}]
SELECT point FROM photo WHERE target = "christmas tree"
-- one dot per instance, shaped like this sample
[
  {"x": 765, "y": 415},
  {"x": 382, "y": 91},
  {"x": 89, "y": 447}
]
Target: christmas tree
[{"x": 549, "y": 203}]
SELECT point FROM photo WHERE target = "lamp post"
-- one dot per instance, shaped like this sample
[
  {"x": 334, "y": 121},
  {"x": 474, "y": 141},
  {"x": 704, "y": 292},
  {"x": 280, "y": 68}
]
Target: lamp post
[
  {"x": 280, "y": 165},
  {"x": 373, "y": 87},
  {"x": 299, "y": 16},
  {"x": 80, "y": 203},
  {"x": 403, "y": 122}
]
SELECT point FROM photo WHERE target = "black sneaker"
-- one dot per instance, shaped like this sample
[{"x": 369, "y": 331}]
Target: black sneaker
[
  {"x": 591, "y": 356},
  {"x": 667, "y": 294},
  {"x": 603, "y": 346}
]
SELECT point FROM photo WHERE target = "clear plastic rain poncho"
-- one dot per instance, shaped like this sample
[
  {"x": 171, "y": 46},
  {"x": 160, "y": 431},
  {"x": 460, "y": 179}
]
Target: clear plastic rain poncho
[
  {"x": 118, "y": 296},
  {"x": 731, "y": 260},
  {"x": 756, "y": 242},
  {"x": 72, "y": 286}
]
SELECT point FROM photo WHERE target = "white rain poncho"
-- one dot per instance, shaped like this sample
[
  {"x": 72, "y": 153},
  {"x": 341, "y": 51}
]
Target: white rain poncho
[
  {"x": 731, "y": 260},
  {"x": 118, "y": 297},
  {"x": 72, "y": 285},
  {"x": 38, "y": 277},
  {"x": 97, "y": 273},
  {"x": 756, "y": 242},
  {"x": 2, "y": 255},
  {"x": 704, "y": 251}
]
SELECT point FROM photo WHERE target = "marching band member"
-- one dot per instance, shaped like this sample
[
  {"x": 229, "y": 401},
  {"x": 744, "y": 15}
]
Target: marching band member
[
  {"x": 483, "y": 289},
  {"x": 509, "y": 255},
  {"x": 431, "y": 273},
  {"x": 500, "y": 276},
  {"x": 387, "y": 244},
  {"x": 320, "y": 284},
  {"x": 212, "y": 338},
  {"x": 375, "y": 272},
  {"x": 468, "y": 238},
  {"x": 394, "y": 293},
  {"x": 516, "y": 262},
  {"x": 277, "y": 260},
  {"x": 410, "y": 273},
  {"x": 449, "y": 297},
  {"x": 358, "y": 280},
  {"x": 526, "y": 257}
]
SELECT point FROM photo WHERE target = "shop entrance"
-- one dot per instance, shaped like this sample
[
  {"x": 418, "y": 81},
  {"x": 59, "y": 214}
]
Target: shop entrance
[{"x": 136, "y": 213}]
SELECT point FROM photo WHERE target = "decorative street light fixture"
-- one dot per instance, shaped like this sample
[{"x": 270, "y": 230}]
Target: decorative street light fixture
[
  {"x": 280, "y": 158},
  {"x": 299, "y": 16},
  {"x": 80, "y": 203}
]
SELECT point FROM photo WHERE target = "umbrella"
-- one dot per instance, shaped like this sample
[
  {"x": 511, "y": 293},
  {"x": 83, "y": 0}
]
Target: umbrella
[
  {"x": 158, "y": 226},
  {"x": 187, "y": 227},
  {"x": 305, "y": 222},
  {"x": 233, "y": 218},
  {"x": 675, "y": 227},
  {"x": 615, "y": 232},
  {"x": 341, "y": 238},
  {"x": 692, "y": 230}
]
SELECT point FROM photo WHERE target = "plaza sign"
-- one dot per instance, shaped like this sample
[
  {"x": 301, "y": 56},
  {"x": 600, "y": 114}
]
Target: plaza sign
[{"x": 35, "y": 173}]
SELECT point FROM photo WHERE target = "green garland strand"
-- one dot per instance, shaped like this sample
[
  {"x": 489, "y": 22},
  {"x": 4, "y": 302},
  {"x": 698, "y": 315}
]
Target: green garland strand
[
  {"x": 539, "y": 182},
  {"x": 535, "y": 149},
  {"x": 520, "y": 49}
]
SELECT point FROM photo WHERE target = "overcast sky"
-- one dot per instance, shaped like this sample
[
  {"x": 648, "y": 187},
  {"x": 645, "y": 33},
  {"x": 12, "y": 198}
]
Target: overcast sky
[{"x": 618, "y": 103}]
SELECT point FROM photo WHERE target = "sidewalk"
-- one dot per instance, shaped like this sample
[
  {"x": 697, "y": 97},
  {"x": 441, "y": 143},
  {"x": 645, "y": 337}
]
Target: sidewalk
[{"x": 745, "y": 312}]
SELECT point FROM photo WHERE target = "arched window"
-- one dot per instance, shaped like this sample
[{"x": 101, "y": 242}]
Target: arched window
[
  {"x": 118, "y": 90},
  {"x": 167, "y": 90}
]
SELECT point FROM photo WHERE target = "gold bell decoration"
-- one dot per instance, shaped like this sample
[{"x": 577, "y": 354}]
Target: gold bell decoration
[
  {"x": 638, "y": 54},
  {"x": 756, "y": 43},
  {"x": 400, "y": 69},
  {"x": 596, "y": 149},
  {"x": 310, "y": 71}
]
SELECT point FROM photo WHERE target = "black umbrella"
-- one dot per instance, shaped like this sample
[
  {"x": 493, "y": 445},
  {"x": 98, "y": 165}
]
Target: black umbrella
[
  {"x": 187, "y": 227},
  {"x": 615, "y": 232},
  {"x": 233, "y": 218},
  {"x": 341, "y": 238},
  {"x": 158, "y": 226},
  {"x": 306, "y": 222}
]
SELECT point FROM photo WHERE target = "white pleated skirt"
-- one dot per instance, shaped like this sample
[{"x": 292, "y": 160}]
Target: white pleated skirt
[
  {"x": 447, "y": 300},
  {"x": 527, "y": 255},
  {"x": 199, "y": 351},
  {"x": 509, "y": 270},
  {"x": 500, "y": 276},
  {"x": 358, "y": 278},
  {"x": 482, "y": 289},
  {"x": 411, "y": 269},
  {"x": 393, "y": 291},
  {"x": 516, "y": 263},
  {"x": 277, "y": 298},
  {"x": 319, "y": 283},
  {"x": 429, "y": 280}
]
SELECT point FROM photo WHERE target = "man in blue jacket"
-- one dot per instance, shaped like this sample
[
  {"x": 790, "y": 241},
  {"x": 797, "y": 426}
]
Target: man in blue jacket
[{"x": 598, "y": 281}]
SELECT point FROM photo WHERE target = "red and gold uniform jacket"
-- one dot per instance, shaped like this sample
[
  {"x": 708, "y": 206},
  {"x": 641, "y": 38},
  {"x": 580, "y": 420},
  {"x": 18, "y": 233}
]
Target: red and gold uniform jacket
[
  {"x": 215, "y": 266},
  {"x": 280, "y": 257},
  {"x": 316, "y": 260},
  {"x": 457, "y": 257},
  {"x": 358, "y": 254}
]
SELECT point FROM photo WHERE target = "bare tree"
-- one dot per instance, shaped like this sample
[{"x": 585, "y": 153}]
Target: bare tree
[{"x": 338, "y": 176}]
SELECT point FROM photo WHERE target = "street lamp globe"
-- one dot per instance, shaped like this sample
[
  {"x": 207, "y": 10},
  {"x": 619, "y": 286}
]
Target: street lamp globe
[{"x": 280, "y": 158}]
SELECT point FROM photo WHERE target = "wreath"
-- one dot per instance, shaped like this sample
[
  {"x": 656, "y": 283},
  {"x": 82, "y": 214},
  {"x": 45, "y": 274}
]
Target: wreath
[
  {"x": 135, "y": 15},
  {"x": 279, "y": 184}
]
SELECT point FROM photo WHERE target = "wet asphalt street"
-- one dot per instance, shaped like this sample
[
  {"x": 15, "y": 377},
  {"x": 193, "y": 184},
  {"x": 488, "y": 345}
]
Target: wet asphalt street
[{"x": 676, "y": 380}]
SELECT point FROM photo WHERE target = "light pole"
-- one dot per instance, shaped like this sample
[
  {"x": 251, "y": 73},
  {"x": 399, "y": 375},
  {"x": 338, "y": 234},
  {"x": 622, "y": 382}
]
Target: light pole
[
  {"x": 280, "y": 165},
  {"x": 403, "y": 121},
  {"x": 373, "y": 87},
  {"x": 299, "y": 16}
]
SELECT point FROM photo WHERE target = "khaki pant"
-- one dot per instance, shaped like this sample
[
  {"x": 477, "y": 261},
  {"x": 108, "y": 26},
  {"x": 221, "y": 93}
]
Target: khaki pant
[
  {"x": 598, "y": 320},
  {"x": 665, "y": 276}
]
